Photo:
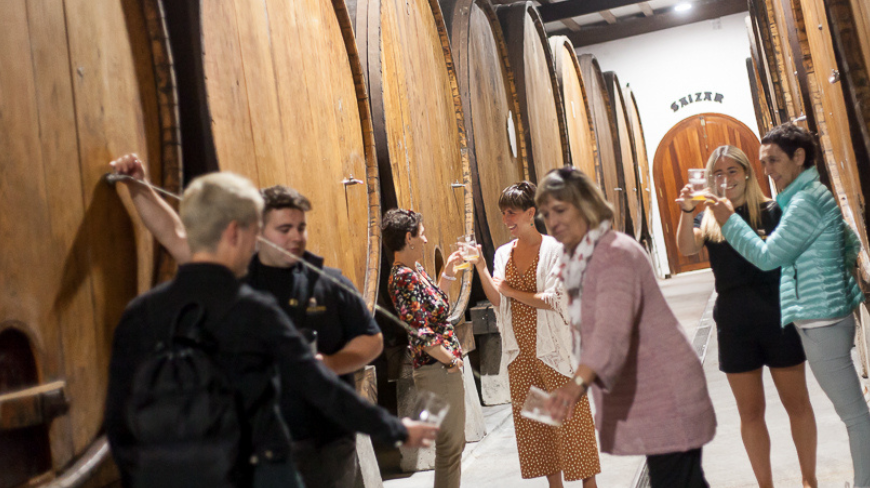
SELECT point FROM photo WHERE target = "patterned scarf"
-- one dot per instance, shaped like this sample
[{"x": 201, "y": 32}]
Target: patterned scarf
[{"x": 571, "y": 268}]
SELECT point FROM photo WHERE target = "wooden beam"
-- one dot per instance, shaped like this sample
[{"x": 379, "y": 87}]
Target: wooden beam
[
  {"x": 646, "y": 9},
  {"x": 569, "y": 23},
  {"x": 703, "y": 10},
  {"x": 608, "y": 16},
  {"x": 576, "y": 8}
]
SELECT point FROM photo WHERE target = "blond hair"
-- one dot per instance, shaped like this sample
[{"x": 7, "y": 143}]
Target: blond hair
[
  {"x": 573, "y": 186},
  {"x": 212, "y": 202},
  {"x": 753, "y": 196}
]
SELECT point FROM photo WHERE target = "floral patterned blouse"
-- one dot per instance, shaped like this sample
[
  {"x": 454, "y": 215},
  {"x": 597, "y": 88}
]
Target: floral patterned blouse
[{"x": 423, "y": 306}]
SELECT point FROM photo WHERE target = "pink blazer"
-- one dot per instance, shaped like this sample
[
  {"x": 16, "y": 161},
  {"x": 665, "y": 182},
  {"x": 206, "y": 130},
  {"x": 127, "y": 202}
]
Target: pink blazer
[{"x": 651, "y": 395}]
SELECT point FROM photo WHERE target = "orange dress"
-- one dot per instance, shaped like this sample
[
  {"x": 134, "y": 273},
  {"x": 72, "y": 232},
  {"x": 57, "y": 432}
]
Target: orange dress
[{"x": 545, "y": 450}]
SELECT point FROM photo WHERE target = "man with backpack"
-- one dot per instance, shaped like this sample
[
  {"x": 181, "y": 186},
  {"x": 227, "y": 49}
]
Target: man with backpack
[
  {"x": 347, "y": 336},
  {"x": 199, "y": 365}
]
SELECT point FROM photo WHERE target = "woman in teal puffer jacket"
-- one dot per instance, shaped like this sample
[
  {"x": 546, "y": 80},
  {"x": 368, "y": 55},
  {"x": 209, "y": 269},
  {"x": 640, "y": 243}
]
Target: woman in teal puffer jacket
[{"x": 817, "y": 252}]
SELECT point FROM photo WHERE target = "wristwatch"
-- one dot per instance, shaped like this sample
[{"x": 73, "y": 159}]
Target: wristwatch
[
  {"x": 579, "y": 381},
  {"x": 451, "y": 363}
]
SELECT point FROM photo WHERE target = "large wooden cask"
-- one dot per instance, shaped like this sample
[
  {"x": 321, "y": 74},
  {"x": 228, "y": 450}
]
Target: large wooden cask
[
  {"x": 281, "y": 98},
  {"x": 496, "y": 133},
  {"x": 575, "y": 108},
  {"x": 644, "y": 185},
  {"x": 83, "y": 82},
  {"x": 605, "y": 137},
  {"x": 759, "y": 81},
  {"x": 418, "y": 124},
  {"x": 540, "y": 100},
  {"x": 625, "y": 157}
]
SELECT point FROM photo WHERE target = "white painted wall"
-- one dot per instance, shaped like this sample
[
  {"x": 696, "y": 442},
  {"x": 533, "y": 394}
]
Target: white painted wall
[{"x": 664, "y": 66}]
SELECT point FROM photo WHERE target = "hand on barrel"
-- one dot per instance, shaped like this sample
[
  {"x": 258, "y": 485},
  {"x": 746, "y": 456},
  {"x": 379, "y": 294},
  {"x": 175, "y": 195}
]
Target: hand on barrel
[
  {"x": 419, "y": 434},
  {"x": 130, "y": 165}
]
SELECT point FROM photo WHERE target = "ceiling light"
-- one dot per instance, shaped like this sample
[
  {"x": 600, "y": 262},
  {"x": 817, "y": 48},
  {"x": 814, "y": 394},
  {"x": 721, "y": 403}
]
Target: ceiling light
[{"x": 682, "y": 7}]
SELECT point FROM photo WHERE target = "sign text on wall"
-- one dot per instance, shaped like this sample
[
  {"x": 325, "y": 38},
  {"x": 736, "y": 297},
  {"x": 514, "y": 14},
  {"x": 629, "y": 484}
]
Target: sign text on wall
[{"x": 697, "y": 97}]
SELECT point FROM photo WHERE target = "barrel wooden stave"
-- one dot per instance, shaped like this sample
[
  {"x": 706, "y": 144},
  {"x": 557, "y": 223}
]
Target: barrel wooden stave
[
  {"x": 496, "y": 139},
  {"x": 626, "y": 158},
  {"x": 288, "y": 106},
  {"x": 418, "y": 124},
  {"x": 644, "y": 184},
  {"x": 605, "y": 136},
  {"x": 532, "y": 62},
  {"x": 84, "y": 91},
  {"x": 575, "y": 108}
]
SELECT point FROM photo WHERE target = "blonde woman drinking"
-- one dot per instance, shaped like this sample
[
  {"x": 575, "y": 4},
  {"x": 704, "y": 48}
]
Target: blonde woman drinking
[{"x": 747, "y": 316}]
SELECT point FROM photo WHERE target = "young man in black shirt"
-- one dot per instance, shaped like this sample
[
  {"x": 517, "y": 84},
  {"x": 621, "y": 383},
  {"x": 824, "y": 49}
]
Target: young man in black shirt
[
  {"x": 347, "y": 336},
  {"x": 253, "y": 339}
]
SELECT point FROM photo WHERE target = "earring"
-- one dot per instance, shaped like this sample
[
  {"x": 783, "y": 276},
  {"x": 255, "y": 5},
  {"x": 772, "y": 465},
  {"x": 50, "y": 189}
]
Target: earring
[
  {"x": 531, "y": 224},
  {"x": 412, "y": 247},
  {"x": 747, "y": 177}
]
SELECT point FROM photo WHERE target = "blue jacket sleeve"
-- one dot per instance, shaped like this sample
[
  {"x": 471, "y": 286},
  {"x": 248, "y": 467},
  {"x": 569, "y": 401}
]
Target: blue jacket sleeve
[{"x": 800, "y": 226}]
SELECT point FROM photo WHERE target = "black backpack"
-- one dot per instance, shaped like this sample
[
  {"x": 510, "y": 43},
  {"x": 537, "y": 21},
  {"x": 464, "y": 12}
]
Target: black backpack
[{"x": 184, "y": 414}]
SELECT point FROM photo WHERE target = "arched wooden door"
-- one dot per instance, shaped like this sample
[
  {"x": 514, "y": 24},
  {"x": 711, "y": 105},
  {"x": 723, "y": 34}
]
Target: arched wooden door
[{"x": 688, "y": 145}]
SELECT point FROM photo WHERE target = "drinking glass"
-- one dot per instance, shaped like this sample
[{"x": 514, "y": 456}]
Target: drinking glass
[
  {"x": 429, "y": 408},
  {"x": 698, "y": 182},
  {"x": 467, "y": 246},
  {"x": 536, "y": 409},
  {"x": 720, "y": 185}
]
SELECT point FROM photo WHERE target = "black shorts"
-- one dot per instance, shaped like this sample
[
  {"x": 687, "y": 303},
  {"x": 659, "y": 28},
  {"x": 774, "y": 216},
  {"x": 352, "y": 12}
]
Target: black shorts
[{"x": 750, "y": 334}]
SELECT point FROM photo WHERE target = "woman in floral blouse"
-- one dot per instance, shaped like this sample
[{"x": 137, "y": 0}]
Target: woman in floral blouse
[{"x": 437, "y": 355}]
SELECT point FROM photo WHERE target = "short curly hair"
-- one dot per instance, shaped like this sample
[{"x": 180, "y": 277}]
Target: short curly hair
[
  {"x": 396, "y": 223},
  {"x": 790, "y": 137},
  {"x": 279, "y": 197}
]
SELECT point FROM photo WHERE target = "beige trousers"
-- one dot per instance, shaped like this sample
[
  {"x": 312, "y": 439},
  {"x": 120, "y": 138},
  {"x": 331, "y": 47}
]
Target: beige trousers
[{"x": 451, "y": 438}]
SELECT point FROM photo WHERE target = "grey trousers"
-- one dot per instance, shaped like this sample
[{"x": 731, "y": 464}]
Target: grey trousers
[
  {"x": 330, "y": 466},
  {"x": 828, "y": 351},
  {"x": 451, "y": 438}
]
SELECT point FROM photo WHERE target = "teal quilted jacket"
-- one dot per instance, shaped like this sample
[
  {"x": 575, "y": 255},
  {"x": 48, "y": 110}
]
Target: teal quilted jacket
[{"x": 814, "y": 247}]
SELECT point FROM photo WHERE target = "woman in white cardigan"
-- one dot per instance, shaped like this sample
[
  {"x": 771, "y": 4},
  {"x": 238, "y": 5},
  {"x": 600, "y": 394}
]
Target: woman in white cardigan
[{"x": 530, "y": 307}]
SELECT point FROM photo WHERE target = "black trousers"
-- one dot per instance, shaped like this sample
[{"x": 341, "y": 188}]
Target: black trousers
[{"x": 676, "y": 470}]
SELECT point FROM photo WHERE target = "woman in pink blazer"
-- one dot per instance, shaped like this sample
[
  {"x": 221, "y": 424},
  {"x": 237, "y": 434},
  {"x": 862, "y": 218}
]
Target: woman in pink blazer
[{"x": 646, "y": 380}]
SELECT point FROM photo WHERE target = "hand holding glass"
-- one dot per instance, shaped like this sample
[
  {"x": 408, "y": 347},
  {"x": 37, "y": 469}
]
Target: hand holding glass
[
  {"x": 429, "y": 408},
  {"x": 699, "y": 183},
  {"x": 536, "y": 409},
  {"x": 467, "y": 246}
]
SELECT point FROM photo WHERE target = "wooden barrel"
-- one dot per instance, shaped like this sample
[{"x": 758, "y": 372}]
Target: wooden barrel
[
  {"x": 285, "y": 100},
  {"x": 605, "y": 137},
  {"x": 644, "y": 185},
  {"x": 532, "y": 62},
  {"x": 575, "y": 108},
  {"x": 625, "y": 157},
  {"x": 496, "y": 134},
  {"x": 418, "y": 123},
  {"x": 83, "y": 82},
  {"x": 759, "y": 81}
]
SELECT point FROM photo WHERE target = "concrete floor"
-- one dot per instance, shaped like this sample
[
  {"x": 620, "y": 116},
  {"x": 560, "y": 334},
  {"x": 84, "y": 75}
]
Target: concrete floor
[{"x": 493, "y": 461}]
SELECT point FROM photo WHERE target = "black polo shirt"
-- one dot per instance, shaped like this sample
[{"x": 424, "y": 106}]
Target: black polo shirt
[
  {"x": 315, "y": 302},
  {"x": 730, "y": 269}
]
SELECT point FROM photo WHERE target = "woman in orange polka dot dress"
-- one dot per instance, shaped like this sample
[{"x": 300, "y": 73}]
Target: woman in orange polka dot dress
[{"x": 530, "y": 308}]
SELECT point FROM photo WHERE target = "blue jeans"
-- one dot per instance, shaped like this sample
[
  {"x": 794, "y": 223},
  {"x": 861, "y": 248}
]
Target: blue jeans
[{"x": 828, "y": 351}]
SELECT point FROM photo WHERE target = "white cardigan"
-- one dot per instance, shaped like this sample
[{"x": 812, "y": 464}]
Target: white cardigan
[{"x": 554, "y": 333}]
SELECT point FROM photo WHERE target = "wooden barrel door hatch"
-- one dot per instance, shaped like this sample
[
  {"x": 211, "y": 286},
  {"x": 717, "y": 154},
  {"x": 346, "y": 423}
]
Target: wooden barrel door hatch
[
  {"x": 495, "y": 130},
  {"x": 418, "y": 122},
  {"x": 626, "y": 158},
  {"x": 643, "y": 171},
  {"x": 286, "y": 104},
  {"x": 605, "y": 136},
  {"x": 83, "y": 83},
  {"x": 582, "y": 146},
  {"x": 538, "y": 89},
  {"x": 688, "y": 145}
]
